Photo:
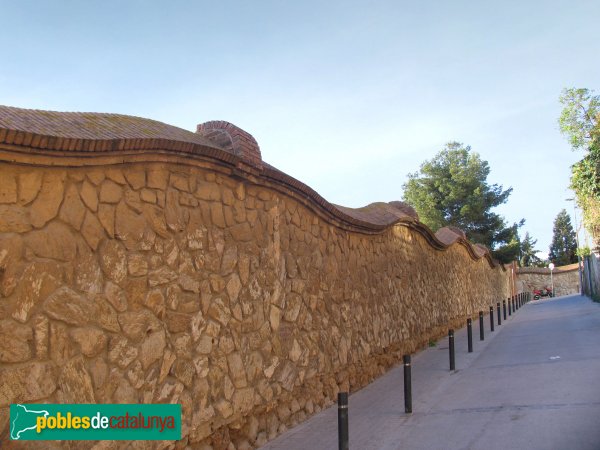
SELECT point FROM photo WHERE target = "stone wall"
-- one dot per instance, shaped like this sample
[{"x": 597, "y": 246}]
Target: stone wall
[
  {"x": 566, "y": 279},
  {"x": 177, "y": 278},
  {"x": 591, "y": 274}
]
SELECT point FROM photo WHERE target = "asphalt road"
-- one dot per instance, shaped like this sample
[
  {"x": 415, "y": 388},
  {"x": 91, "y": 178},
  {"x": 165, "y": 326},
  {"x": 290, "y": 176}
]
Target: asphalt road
[{"x": 534, "y": 383}]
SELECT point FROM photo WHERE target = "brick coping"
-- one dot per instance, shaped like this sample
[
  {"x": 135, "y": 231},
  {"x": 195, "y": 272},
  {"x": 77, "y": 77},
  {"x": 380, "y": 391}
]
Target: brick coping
[{"x": 59, "y": 135}]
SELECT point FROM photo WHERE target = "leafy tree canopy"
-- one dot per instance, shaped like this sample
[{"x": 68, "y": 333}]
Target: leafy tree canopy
[
  {"x": 580, "y": 123},
  {"x": 563, "y": 249},
  {"x": 452, "y": 189},
  {"x": 580, "y": 117}
]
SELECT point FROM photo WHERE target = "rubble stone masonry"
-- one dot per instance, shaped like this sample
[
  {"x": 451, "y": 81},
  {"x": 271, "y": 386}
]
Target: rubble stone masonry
[
  {"x": 166, "y": 277},
  {"x": 564, "y": 278}
]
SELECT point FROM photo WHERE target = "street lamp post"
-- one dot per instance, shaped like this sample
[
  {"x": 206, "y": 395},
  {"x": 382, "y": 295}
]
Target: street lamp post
[{"x": 551, "y": 267}]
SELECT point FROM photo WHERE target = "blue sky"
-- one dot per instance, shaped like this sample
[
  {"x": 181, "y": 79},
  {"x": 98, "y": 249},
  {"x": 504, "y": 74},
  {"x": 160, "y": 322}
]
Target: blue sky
[{"x": 346, "y": 96}]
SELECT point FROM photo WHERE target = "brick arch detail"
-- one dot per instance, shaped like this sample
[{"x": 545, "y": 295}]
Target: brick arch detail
[{"x": 234, "y": 139}]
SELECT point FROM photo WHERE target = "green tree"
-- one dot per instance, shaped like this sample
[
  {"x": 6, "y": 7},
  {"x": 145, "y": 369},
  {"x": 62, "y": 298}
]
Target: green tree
[
  {"x": 580, "y": 123},
  {"x": 511, "y": 248},
  {"x": 452, "y": 189},
  {"x": 563, "y": 249},
  {"x": 580, "y": 117},
  {"x": 529, "y": 253}
]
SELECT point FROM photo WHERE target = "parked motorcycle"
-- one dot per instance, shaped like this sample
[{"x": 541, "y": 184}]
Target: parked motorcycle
[{"x": 544, "y": 292}]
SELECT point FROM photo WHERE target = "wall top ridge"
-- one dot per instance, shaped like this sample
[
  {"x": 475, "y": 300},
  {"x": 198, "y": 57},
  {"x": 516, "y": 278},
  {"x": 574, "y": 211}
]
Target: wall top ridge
[
  {"x": 90, "y": 126},
  {"x": 545, "y": 270},
  {"x": 31, "y": 132}
]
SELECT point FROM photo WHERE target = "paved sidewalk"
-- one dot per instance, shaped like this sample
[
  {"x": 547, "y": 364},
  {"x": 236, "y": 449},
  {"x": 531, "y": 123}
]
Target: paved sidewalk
[{"x": 534, "y": 383}]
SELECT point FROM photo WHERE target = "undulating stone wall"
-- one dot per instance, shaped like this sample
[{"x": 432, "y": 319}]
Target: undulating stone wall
[
  {"x": 565, "y": 278},
  {"x": 174, "y": 278}
]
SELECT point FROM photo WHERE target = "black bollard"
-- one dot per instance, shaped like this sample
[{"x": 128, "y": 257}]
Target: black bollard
[
  {"x": 491, "y": 318},
  {"x": 509, "y": 307},
  {"x": 504, "y": 309},
  {"x": 470, "y": 335},
  {"x": 513, "y": 305},
  {"x": 499, "y": 317},
  {"x": 451, "y": 349},
  {"x": 343, "y": 421},
  {"x": 481, "y": 336},
  {"x": 407, "y": 385}
]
